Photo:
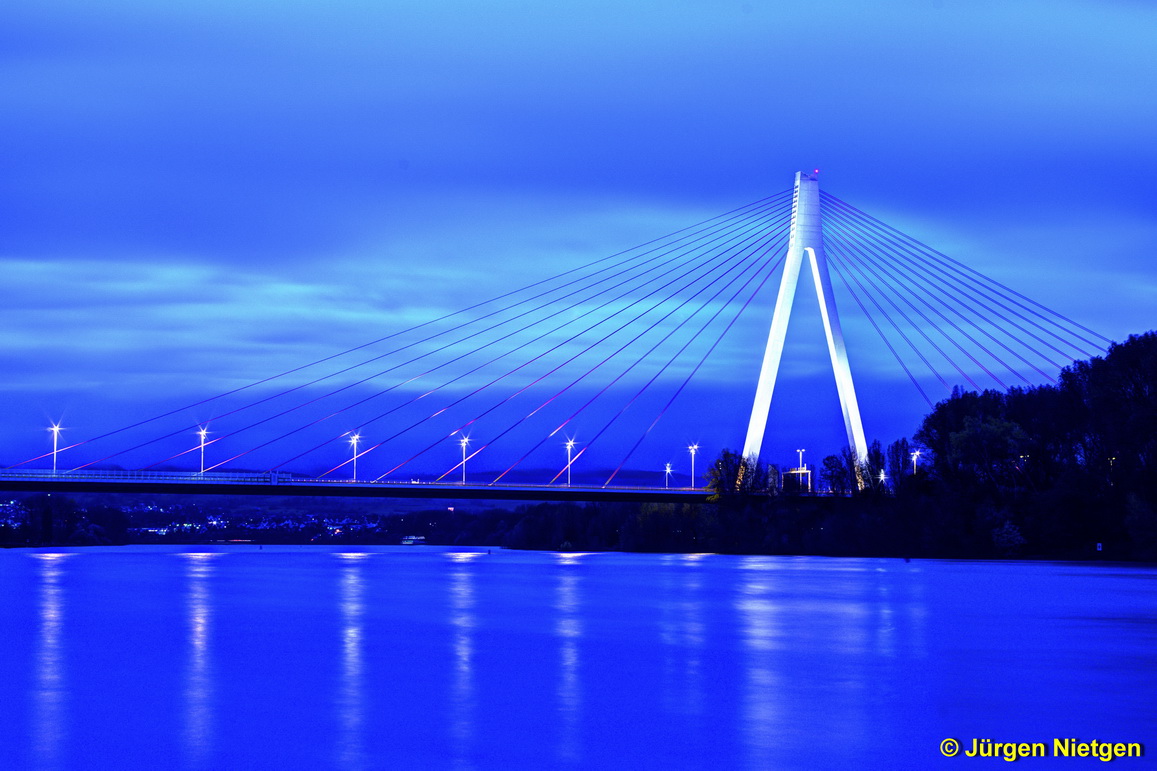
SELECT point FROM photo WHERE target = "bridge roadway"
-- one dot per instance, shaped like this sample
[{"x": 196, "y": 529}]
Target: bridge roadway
[{"x": 275, "y": 483}]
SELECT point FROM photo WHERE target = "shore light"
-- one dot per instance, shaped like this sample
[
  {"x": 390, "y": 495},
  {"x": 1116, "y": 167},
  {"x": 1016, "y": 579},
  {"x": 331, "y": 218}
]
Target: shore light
[
  {"x": 202, "y": 432},
  {"x": 569, "y": 449},
  {"x": 464, "y": 441},
  {"x": 354, "y": 439},
  {"x": 55, "y": 429}
]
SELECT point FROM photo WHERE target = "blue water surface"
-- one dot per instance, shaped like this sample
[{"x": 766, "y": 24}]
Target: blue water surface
[{"x": 440, "y": 658}]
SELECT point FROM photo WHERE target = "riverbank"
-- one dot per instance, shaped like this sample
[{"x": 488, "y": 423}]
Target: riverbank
[{"x": 860, "y": 526}]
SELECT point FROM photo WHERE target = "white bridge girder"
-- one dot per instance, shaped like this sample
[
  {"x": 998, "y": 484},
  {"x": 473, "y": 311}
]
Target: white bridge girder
[{"x": 806, "y": 238}]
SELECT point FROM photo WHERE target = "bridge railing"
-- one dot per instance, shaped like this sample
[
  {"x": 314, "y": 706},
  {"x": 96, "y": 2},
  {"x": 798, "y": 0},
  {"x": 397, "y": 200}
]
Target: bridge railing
[{"x": 211, "y": 477}]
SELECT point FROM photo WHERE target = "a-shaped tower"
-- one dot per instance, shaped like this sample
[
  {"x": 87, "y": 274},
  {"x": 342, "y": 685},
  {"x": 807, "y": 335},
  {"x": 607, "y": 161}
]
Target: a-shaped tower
[{"x": 806, "y": 237}]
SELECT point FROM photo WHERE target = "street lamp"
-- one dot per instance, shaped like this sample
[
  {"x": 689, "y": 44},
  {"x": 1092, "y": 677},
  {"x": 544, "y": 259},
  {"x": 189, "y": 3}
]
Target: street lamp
[
  {"x": 203, "y": 432},
  {"x": 55, "y": 429},
  {"x": 693, "y": 449},
  {"x": 667, "y": 475},
  {"x": 915, "y": 455},
  {"x": 883, "y": 477},
  {"x": 464, "y": 441},
  {"x": 354, "y": 439},
  {"x": 801, "y": 452},
  {"x": 569, "y": 450}
]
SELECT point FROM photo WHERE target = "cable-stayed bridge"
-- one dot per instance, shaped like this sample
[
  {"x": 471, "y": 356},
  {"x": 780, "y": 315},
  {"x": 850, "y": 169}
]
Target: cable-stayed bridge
[{"x": 573, "y": 375}]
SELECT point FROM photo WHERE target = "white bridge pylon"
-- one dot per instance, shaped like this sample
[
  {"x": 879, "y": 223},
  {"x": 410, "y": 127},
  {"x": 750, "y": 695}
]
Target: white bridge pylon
[{"x": 806, "y": 237}]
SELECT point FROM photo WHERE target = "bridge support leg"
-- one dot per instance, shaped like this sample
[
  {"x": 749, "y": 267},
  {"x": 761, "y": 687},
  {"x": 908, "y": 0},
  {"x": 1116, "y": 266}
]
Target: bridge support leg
[{"x": 806, "y": 238}]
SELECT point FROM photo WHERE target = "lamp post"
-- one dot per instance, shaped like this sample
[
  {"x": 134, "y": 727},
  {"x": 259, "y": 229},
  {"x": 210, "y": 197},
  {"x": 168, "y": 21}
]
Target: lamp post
[
  {"x": 464, "y": 441},
  {"x": 55, "y": 429},
  {"x": 693, "y": 449},
  {"x": 354, "y": 439},
  {"x": 915, "y": 456},
  {"x": 202, "y": 432},
  {"x": 801, "y": 452},
  {"x": 667, "y": 476},
  {"x": 569, "y": 450}
]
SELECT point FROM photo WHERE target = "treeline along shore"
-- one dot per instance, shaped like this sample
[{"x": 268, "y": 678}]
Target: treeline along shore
[{"x": 1063, "y": 471}]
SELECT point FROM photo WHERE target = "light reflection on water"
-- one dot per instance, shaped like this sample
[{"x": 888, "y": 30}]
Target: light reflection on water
[
  {"x": 683, "y": 634},
  {"x": 462, "y": 688},
  {"x": 762, "y": 635},
  {"x": 433, "y": 658},
  {"x": 693, "y": 637},
  {"x": 49, "y": 725},
  {"x": 568, "y": 627},
  {"x": 198, "y": 728},
  {"x": 351, "y": 698}
]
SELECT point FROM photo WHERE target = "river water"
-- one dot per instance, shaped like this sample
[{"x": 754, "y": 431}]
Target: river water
[{"x": 430, "y": 658}]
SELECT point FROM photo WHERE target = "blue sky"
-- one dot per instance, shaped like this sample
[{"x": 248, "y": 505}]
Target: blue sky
[{"x": 193, "y": 197}]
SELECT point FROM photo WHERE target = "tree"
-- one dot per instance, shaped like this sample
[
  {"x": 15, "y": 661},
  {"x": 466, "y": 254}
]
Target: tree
[
  {"x": 1007, "y": 539},
  {"x": 899, "y": 460},
  {"x": 989, "y": 450},
  {"x": 839, "y": 473},
  {"x": 872, "y": 474},
  {"x": 733, "y": 476}
]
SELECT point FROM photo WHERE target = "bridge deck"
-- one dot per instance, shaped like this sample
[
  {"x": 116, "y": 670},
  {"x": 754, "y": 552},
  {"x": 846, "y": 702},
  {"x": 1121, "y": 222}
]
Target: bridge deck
[{"x": 272, "y": 483}]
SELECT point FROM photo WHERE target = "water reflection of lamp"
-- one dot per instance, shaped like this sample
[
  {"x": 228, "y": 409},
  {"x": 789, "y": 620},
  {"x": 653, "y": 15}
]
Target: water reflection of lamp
[
  {"x": 693, "y": 632},
  {"x": 351, "y": 700},
  {"x": 48, "y": 727},
  {"x": 683, "y": 636},
  {"x": 462, "y": 622},
  {"x": 760, "y": 621},
  {"x": 568, "y": 627},
  {"x": 199, "y": 676}
]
